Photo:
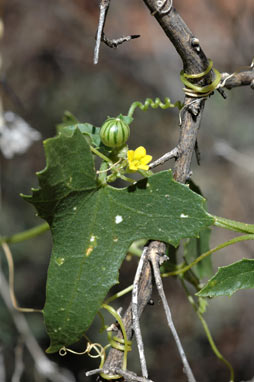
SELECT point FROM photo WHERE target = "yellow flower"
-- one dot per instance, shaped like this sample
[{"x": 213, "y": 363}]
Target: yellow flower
[{"x": 138, "y": 159}]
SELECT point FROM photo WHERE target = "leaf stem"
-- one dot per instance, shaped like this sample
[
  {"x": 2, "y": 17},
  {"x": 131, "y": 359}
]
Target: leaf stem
[
  {"x": 127, "y": 179},
  {"x": 99, "y": 154},
  {"x": 208, "y": 253},
  {"x": 233, "y": 225},
  {"x": 118, "y": 294},
  {"x": 136, "y": 247},
  {"x": 208, "y": 333},
  {"x": 25, "y": 235}
]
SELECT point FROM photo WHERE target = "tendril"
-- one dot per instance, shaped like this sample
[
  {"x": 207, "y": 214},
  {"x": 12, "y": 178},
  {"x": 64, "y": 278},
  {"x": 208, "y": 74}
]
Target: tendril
[
  {"x": 195, "y": 91},
  {"x": 99, "y": 349},
  {"x": 122, "y": 344},
  {"x": 9, "y": 258},
  {"x": 154, "y": 104}
]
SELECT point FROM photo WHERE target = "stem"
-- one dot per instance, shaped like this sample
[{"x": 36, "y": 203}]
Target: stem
[
  {"x": 118, "y": 294},
  {"x": 233, "y": 225},
  {"x": 25, "y": 235},
  {"x": 99, "y": 154},
  {"x": 208, "y": 253},
  {"x": 127, "y": 179},
  {"x": 208, "y": 333},
  {"x": 135, "y": 248}
]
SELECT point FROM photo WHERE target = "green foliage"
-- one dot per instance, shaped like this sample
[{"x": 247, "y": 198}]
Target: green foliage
[
  {"x": 91, "y": 132},
  {"x": 230, "y": 279},
  {"x": 193, "y": 248},
  {"x": 93, "y": 227}
]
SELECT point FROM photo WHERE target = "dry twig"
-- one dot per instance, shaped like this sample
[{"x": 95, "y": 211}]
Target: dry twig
[
  {"x": 170, "y": 155},
  {"x": 112, "y": 43},
  {"x": 104, "y": 6},
  {"x": 135, "y": 318},
  {"x": 157, "y": 258}
]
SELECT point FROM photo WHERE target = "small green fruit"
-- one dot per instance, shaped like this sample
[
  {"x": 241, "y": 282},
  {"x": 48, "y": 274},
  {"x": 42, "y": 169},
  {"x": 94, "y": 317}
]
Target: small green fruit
[{"x": 114, "y": 132}]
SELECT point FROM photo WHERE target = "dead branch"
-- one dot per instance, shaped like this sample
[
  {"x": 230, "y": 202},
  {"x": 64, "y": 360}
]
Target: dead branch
[
  {"x": 239, "y": 79},
  {"x": 104, "y": 7},
  {"x": 157, "y": 259},
  {"x": 113, "y": 43},
  {"x": 170, "y": 155}
]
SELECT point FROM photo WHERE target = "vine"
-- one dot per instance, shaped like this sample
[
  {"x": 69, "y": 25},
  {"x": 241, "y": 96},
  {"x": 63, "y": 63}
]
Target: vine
[{"x": 95, "y": 225}]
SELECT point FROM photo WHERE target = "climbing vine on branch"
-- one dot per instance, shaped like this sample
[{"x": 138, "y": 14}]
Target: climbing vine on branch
[{"x": 95, "y": 224}]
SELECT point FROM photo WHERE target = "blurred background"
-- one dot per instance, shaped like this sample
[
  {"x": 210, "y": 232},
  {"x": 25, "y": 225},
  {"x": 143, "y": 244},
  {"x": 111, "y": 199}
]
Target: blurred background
[{"x": 47, "y": 68}]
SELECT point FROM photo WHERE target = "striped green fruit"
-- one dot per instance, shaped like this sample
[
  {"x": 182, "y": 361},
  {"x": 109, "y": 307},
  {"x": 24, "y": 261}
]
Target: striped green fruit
[{"x": 114, "y": 132}]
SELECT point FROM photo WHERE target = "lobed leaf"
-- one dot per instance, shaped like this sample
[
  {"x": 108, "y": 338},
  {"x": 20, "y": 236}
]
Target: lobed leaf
[
  {"x": 230, "y": 279},
  {"x": 92, "y": 229}
]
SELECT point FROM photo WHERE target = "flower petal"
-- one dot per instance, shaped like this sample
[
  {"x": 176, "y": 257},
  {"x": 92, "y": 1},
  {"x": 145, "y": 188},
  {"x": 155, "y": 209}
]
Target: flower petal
[
  {"x": 133, "y": 166},
  {"x": 140, "y": 152},
  {"x": 130, "y": 155},
  {"x": 146, "y": 159},
  {"x": 143, "y": 167}
]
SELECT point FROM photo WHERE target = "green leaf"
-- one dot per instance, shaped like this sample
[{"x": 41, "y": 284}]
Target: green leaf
[
  {"x": 91, "y": 132},
  {"x": 193, "y": 248},
  {"x": 68, "y": 119},
  {"x": 69, "y": 168},
  {"x": 93, "y": 227},
  {"x": 230, "y": 279}
]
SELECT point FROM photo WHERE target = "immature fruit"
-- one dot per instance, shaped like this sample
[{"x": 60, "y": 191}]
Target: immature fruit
[{"x": 114, "y": 132}]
